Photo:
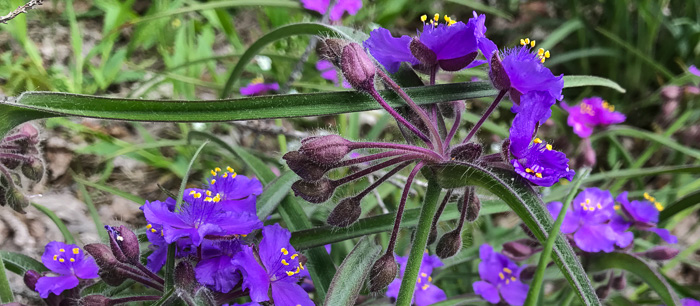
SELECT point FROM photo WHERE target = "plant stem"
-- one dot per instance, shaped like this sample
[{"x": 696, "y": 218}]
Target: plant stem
[
  {"x": 373, "y": 92},
  {"x": 135, "y": 298},
  {"x": 397, "y": 146},
  {"x": 402, "y": 205},
  {"x": 373, "y": 168},
  {"x": 536, "y": 285},
  {"x": 485, "y": 116},
  {"x": 6, "y": 295},
  {"x": 408, "y": 284},
  {"x": 453, "y": 129}
]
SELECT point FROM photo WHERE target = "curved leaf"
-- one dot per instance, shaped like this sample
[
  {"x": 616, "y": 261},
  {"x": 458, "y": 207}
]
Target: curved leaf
[
  {"x": 351, "y": 275},
  {"x": 526, "y": 203},
  {"x": 637, "y": 266},
  {"x": 658, "y": 138},
  {"x": 67, "y": 236},
  {"x": 20, "y": 263},
  {"x": 679, "y": 205},
  {"x": 590, "y": 80},
  {"x": 274, "y": 192}
]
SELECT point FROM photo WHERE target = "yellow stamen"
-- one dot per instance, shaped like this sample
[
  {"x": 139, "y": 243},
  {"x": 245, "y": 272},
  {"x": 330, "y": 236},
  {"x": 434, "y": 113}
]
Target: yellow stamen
[
  {"x": 55, "y": 257},
  {"x": 149, "y": 226},
  {"x": 192, "y": 192},
  {"x": 284, "y": 262},
  {"x": 72, "y": 260},
  {"x": 546, "y": 54},
  {"x": 430, "y": 278},
  {"x": 599, "y": 207},
  {"x": 527, "y": 41},
  {"x": 423, "y": 274},
  {"x": 532, "y": 44},
  {"x": 658, "y": 205},
  {"x": 217, "y": 198},
  {"x": 436, "y": 17},
  {"x": 161, "y": 233},
  {"x": 197, "y": 195},
  {"x": 301, "y": 266},
  {"x": 423, "y": 18},
  {"x": 289, "y": 273},
  {"x": 540, "y": 51},
  {"x": 217, "y": 169},
  {"x": 229, "y": 169},
  {"x": 500, "y": 274},
  {"x": 294, "y": 256},
  {"x": 538, "y": 175},
  {"x": 537, "y": 140},
  {"x": 419, "y": 280},
  {"x": 425, "y": 287},
  {"x": 213, "y": 172},
  {"x": 528, "y": 170},
  {"x": 549, "y": 147},
  {"x": 542, "y": 60},
  {"x": 257, "y": 80},
  {"x": 284, "y": 251},
  {"x": 61, "y": 250},
  {"x": 513, "y": 278},
  {"x": 119, "y": 238},
  {"x": 507, "y": 281},
  {"x": 522, "y": 42},
  {"x": 76, "y": 250},
  {"x": 208, "y": 199},
  {"x": 208, "y": 192},
  {"x": 225, "y": 175},
  {"x": 298, "y": 269},
  {"x": 61, "y": 260},
  {"x": 153, "y": 230},
  {"x": 616, "y": 207},
  {"x": 507, "y": 270}
]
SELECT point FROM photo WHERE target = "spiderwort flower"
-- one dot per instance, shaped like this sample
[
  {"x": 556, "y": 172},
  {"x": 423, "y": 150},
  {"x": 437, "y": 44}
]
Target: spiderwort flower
[
  {"x": 500, "y": 278},
  {"x": 257, "y": 87},
  {"x": 590, "y": 113},
  {"x": 426, "y": 293},
  {"x": 341, "y": 6},
  {"x": 70, "y": 264},
  {"x": 215, "y": 269},
  {"x": 274, "y": 264},
  {"x": 238, "y": 193},
  {"x": 589, "y": 221},
  {"x": 643, "y": 215},
  {"x": 694, "y": 70}
]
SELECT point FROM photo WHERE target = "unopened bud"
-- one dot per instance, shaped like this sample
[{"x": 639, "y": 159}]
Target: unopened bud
[
  {"x": 473, "y": 206},
  {"x": 449, "y": 244},
  {"x": 113, "y": 277},
  {"x": 467, "y": 152},
  {"x": 10, "y": 163},
  {"x": 599, "y": 277},
  {"x": 345, "y": 213},
  {"x": 422, "y": 53},
  {"x": 3, "y": 196},
  {"x": 325, "y": 150},
  {"x": 95, "y": 299},
  {"x": 314, "y": 192},
  {"x": 331, "y": 49},
  {"x": 505, "y": 150},
  {"x": 602, "y": 291},
  {"x": 304, "y": 167},
  {"x": 16, "y": 200},
  {"x": 31, "y": 132},
  {"x": 124, "y": 244},
  {"x": 30, "y": 278},
  {"x": 519, "y": 250},
  {"x": 497, "y": 73},
  {"x": 433, "y": 235},
  {"x": 357, "y": 67},
  {"x": 185, "y": 276},
  {"x": 456, "y": 64},
  {"x": 527, "y": 273},
  {"x": 33, "y": 169},
  {"x": 383, "y": 272},
  {"x": 619, "y": 282},
  {"x": 103, "y": 256},
  {"x": 448, "y": 110},
  {"x": 661, "y": 253}
]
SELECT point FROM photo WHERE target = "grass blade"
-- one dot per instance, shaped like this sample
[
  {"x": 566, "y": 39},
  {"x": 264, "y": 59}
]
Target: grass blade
[
  {"x": 93, "y": 213},
  {"x": 67, "y": 236},
  {"x": 274, "y": 192},
  {"x": 6, "y": 295},
  {"x": 352, "y": 273},
  {"x": 478, "y": 6}
]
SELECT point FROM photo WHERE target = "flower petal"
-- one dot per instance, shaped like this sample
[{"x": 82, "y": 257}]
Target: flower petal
[
  {"x": 664, "y": 234},
  {"x": 55, "y": 284},
  {"x": 388, "y": 50},
  {"x": 255, "y": 278},
  {"x": 514, "y": 293},
  {"x": 487, "y": 291},
  {"x": 218, "y": 273},
  {"x": 428, "y": 296},
  {"x": 290, "y": 294}
]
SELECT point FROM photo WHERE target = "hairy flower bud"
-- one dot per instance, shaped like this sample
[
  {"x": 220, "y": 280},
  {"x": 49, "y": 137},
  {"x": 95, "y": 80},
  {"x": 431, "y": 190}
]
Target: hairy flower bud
[
  {"x": 357, "y": 67},
  {"x": 528, "y": 273},
  {"x": 449, "y": 244},
  {"x": 95, "y": 299},
  {"x": 331, "y": 49},
  {"x": 497, "y": 73},
  {"x": 661, "y": 253},
  {"x": 345, "y": 213},
  {"x": 16, "y": 200},
  {"x": 383, "y": 272},
  {"x": 30, "y": 278},
  {"x": 602, "y": 292},
  {"x": 33, "y": 169},
  {"x": 103, "y": 256},
  {"x": 505, "y": 150},
  {"x": 619, "y": 282},
  {"x": 427, "y": 57},
  {"x": 599, "y": 277},
  {"x": 304, "y": 167},
  {"x": 185, "y": 277},
  {"x": 520, "y": 249},
  {"x": 325, "y": 150},
  {"x": 314, "y": 192},
  {"x": 31, "y": 132},
  {"x": 432, "y": 237},
  {"x": 467, "y": 152},
  {"x": 113, "y": 277},
  {"x": 124, "y": 244}
]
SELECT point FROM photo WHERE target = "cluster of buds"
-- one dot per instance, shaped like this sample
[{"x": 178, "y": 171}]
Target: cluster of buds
[{"x": 19, "y": 156}]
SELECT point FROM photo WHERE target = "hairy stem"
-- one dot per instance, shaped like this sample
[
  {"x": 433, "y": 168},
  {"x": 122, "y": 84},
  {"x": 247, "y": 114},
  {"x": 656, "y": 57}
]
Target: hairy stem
[
  {"x": 397, "y": 146},
  {"x": 485, "y": 116},
  {"x": 374, "y": 168},
  {"x": 402, "y": 205},
  {"x": 453, "y": 130},
  {"x": 373, "y": 92},
  {"x": 440, "y": 209},
  {"x": 381, "y": 180}
]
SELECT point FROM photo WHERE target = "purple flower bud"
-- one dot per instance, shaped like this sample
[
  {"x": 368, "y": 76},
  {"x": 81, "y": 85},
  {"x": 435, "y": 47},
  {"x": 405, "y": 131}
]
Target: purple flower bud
[
  {"x": 619, "y": 282},
  {"x": 587, "y": 158},
  {"x": 473, "y": 206},
  {"x": 16, "y": 200},
  {"x": 31, "y": 132},
  {"x": 528, "y": 273},
  {"x": 33, "y": 169},
  {"x": 304, "y": 167},
  {"x": 185, "y": 276},
  {"x": 327, "y": 149},
  {"x": 113, "y": 277},
  {"x": 331, "y": 49},
  {"x": 519, "y": 250},
  {"x": 357, "y": 67},
  {"x": 433, "y": 235},
  {"x": 449, "y": 244},
  {"x": 10, "y": 163},
  {"x": 95, "y": 299},
  {"x": 602, "y": 292},
  {"x": 314, "y": 192},
  {"x": 124, "y": 244},
  {"x": 599, "y": 277},
  {"x": 383, "y": 272},
  {"x": 505, "y": 150},
  {"x": 103, "y": 256},
  {"x": 467, "y": 152},
  {"x": 420, "y": 51},
  {"x": 30, "y": 279},
  {"x": 449, "y": 110},
  {"x": 345, "y": 213},
  {"x": 497, "y": 73},
  {"x": 661, "y": 253}
]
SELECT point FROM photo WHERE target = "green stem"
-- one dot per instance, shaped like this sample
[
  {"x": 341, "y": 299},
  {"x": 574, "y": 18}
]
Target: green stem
[
  {"x": 420, "y": 241},
  {"x": 534, "y": 293},
  {"x": 6, "y": 295},
  {"x": 281, "y": 139}
]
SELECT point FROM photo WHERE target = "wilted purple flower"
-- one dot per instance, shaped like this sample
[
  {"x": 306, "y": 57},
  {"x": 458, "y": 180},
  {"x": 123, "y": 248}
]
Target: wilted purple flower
[
  {"x": 590, "y": 113},
  {"x": 238, "y": 193},
  {"x": 257, "y": 87},
  {"x": 215, "y": 268},
  {"x": 426, "y": 293},
  {"x": 534, "y": 159},
  {"x": 276, "y": 265},
  {"x": 643, "y": 215},
  {"x": 589, "y": 221},
  {"x": 694, "y": 70},
  {"x": 328, "y": 72},
  {"x": 500, "y": 278},
  {"x": 341, "y": 6},
  {"x": 451, "y": 46},
  {"x": 68, "y": 263}
]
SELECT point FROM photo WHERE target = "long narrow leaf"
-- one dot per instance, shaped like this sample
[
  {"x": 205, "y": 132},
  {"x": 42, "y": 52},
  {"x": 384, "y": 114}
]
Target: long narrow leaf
[
  {"x": 274, "y": 192},
  {"x": 20, "y": 263},
  {"x": 352, "y": 273}
]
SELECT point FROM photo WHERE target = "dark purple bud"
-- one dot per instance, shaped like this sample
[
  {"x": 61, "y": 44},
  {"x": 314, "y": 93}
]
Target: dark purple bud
[
  {"x": 314, "y": 192},
  {"x": 661, "y": 253},
  {"x": 31, "y": 132},
  {"x": 449, "y": 244},
  {"x": 467, "y": 152},
  {"x": 103, "y": 256},
  {"x": 304, "y": 167},
  {"x": 113, "y": 277},
  {"x": 10, "y": 163},
  {"x": 16, "y": 200},
  {"x": 325, "y": 150},
  {"x": 600, "y": 277},
  {"x": 456, "y": 64},
  {"x": 519, "y": 250},
  {"x": 357, "y": 67},
  {"x": 3, "y": 196},
  {"x": 33, "y": 169},
  {"x": 345, "y": 213},
  {"x": 528, "y": 273},
  {"x": 473, "y": 207},
  {"x": 448, "y": 110},
  {"x": 30, "y": 279},
  {"x": 505, "y": 150},
  {"x": 433, "y": 235},
  {"x": 95, "y": 299},
  {"x": 185, "y": 277},
  {"x": 527, "y": 231},
  {"x": 497, "y": 73},
  {"x": 602, "y": 291},
  {"x": 331, "y": 49},
  {"x": 124, "y": 244},
  {"x": 427, "y": 57},
  {"x": 383, "y": 272},
  {"x": 619, "y": 282}
]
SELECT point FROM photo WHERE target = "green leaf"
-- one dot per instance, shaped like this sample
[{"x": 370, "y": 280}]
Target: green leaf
[
  {"x": 562, "y": 32},
  {"x": 6, "y": 295},
  {"x": 93, "y": 213},
  {"x": 274, "y": 192},
  {"x": 580, "y": 53},
  {"x": 67, "y": 236},
  {"x": 627, "y": 173},
  {"x": 660, "y": 68},
  {"x": 131, "y": 197},
  {"x": 639, "y": 267},
  {"x": 658, "y": 138},
  {"x": 526, "y": 203},
  {"x": 20, "y": 263},
  {"x": 590, "y": 80},
  {"x": 679, "y": 206},
  {"x": 352, "y": 273}
]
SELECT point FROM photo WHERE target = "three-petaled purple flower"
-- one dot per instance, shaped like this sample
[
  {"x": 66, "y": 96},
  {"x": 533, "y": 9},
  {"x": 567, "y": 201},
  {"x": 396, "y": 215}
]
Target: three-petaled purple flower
[
  {"x": 215, "y": 268},
  {"x": 274, "y": 265},
  {"x": 257, "y": 87},
  {"x": 642, "y": 215},
  {"x": 340, "y": 7},
  {"x": 534, "y": 159},
  {"x": 590, "y": 113},
  {"x": 70, "y": 264},
  {"x": 589, "y": 221},
  {"x": 452, "y": 45},
  {"x": 426, "y": 293},
  {"x": 500, "y": 278}
]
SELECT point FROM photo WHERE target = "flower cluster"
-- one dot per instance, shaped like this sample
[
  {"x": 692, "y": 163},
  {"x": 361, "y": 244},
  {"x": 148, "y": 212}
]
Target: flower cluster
[
  {"x": 19, "y": 155},
  {"x": 500, "y": 278},
  {"x": 426, "y": 293},
  {"x": 589, "y": 113},
  {"x": 67, "y": 264}
]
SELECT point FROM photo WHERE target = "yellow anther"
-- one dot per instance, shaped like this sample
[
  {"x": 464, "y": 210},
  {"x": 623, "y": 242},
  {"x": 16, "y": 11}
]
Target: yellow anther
[
  {"x": 55, "y": 257},
  {"x": 647, "y": 196},
  {"x": 289, "y": 273},
  {"x": 423, "y": 274},
  {"x": 213, "y": 172},
  {"x": 208, "y": 199},
  {"x": 616, "y": 207},
  {"x": 161, "y": 233},
  {"x": 423, "y": 18},
  {"x": 507, "y": 281},
  {"x": 542, "y": 60},
  {"x": 284, "y": 262},
  {"x": 419, "y": 280},
  {"x": 522, "y": 42},
  {"x": 61, "y": 260},
  {"x": 425, "y": 287},
  {"x": 549, "y": 147},
  {"x": 298, "y": 269},
  {"x": 532, "y": 44},
  {"x": 76, "y": 250},
  {"x": 546, "y": 54},
  {"x": 538, "y": 175},
  {"x": 225, "y": 175},
  {"x": 192, "y": 192},
  {"x": 294, "y": 256},
  {"x": 153, "y": 230},
  {"x": 217, "y": 198},
  {"x": 208, "y": 192},
  {"x": 447, "y": 19},
  {"x": 527, "y": 41},
  {"x": 507, "y": 270},
  {"x": 61, "y": 250},
  {"x": 540, "y": 51},
  {"x": 430, "y": 278},
  {"x": 301, "y": 266},
  {"x": 658, "y": 205},
  {"x": 197, "y": 195},
  {"x": 436, "y": 17},
  {"x": 284, "y": 251},
  {"x": 588, "y": 201},
  {"x": 217, "y": 169},
  {"x": 229, "y": 169},
  {"x": 537, "y": 140},
  {"x": 528, "y": 170},
  {"x": 149, "y": 226},
  {"x": 513, "y": 278},
  {"x": 599, "y": 207},
  {"x": 500, "y": 274},
  {"x": 452, "y": 22},
  {"x": 234, "y": 175},
  {"x": 257, "y": 80},
  {"x": 244, "y": 235},
  {"x": 72, "y": 260}
]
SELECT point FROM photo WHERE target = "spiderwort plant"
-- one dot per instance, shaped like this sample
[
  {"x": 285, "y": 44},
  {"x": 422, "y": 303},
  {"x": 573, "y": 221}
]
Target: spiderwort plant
[
  {"x": 500, "y": 278},
  {"x": 426, "y": 293}
]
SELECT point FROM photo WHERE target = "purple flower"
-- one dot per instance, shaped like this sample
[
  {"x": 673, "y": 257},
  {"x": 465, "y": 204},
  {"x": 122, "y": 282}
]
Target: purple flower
[
  {"x": 238, "y": 193},
  {"x": 426, "y": 293},
  {"x": 535, "y": 160},
  {"x": 328, "y": 72},
  {"x": 215, "y": 269},
  {"x": 643, "y": 215},
  {"x": 591, "y": 112},
  {"x": 694, "y": 70},
  {"x": 276, "y": 265},
  {"x": 257, "y": 87},
  {"x": 69, "y": 263},
  {"x": 451, "y": 46},
  {"x": 500, "y": 278},
  {"x": 154, "y": 233},
  {"x": 202, "y": 213},
  {"x": 589, "y": 221},
  {"x": 341, "y": 6}
]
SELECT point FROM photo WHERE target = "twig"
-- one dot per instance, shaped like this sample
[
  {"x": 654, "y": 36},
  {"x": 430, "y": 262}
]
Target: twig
[{"x": 22, "y": 9}]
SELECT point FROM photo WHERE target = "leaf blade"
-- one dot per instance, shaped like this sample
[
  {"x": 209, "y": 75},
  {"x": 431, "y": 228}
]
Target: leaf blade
[{"x": 351, "y": 274}]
